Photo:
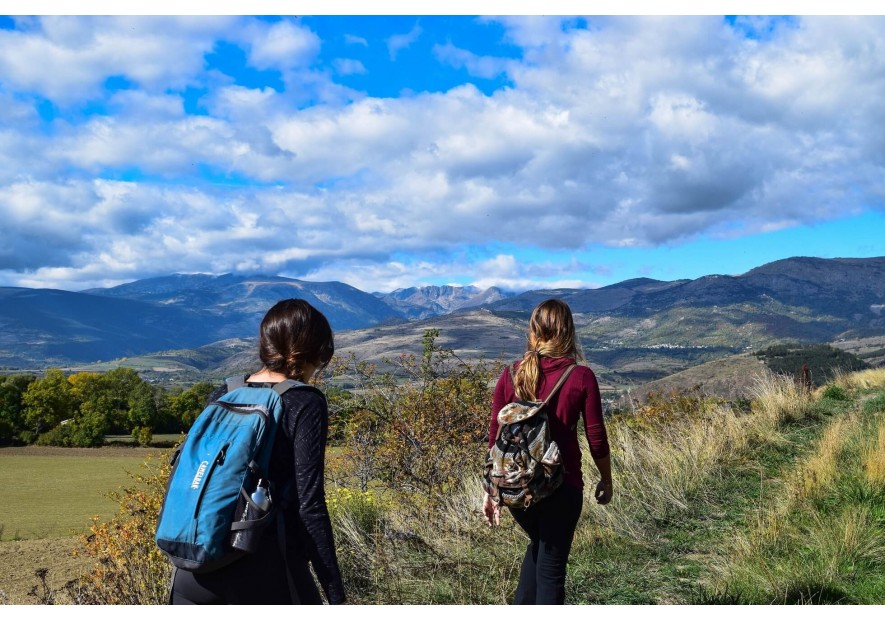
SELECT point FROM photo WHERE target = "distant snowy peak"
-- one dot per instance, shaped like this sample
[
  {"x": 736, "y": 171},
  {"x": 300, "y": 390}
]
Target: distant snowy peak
[{"x": 419, "y": 302}]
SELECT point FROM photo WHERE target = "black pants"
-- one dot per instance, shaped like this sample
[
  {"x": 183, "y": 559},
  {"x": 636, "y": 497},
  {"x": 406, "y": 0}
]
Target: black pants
[
  {"x": 191, "y": 589},
  {"x": 550, "y": 525},
  {"x": 259, "y": 579}
]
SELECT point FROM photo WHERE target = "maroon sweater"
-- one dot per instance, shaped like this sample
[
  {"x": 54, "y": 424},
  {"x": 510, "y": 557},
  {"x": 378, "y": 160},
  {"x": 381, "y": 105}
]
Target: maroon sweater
[{"x": 579, "y": 394}]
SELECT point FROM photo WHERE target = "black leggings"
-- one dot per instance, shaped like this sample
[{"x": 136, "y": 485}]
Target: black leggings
[
  {"x": 190, "y": 589},
  {"x": 550, "y": 525},
  {"x": 259, "y": 579}
]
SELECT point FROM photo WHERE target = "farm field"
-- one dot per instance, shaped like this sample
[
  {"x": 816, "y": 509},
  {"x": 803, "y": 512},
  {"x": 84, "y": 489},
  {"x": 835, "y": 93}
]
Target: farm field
[{"x": 56, "y": 491}]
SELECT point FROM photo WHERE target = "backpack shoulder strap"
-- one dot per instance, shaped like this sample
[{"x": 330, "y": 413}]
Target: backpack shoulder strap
[
  {"x": 284, "y": 386},
  {"x": 280, "y": 388},
  {"x": 235, "y": 382},
  {"x": 560, "y": 383}
]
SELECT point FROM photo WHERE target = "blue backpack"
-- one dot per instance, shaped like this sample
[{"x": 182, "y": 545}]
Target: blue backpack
[{"x": 220, "y": 497}]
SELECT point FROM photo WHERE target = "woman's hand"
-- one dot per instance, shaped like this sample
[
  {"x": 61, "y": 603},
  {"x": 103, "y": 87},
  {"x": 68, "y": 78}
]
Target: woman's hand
[
  {"x": 603, "y": 492},
  {"x": 491, "y": 511}
]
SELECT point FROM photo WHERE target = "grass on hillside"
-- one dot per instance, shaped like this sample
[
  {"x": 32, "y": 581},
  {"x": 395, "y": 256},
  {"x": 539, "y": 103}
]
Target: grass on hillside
[
  {"x": 822, "y": 539},
  {"x": 687, "y": 487},
  {"x": 781, "y": 502}
]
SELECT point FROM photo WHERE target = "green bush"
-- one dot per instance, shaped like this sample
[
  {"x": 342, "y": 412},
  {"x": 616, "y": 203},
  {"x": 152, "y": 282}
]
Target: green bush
[
  {"x": 834, "y": 392},
  {"x": 73, "y": 434},
  {"x": 28, "y": 437},
  {"x": 142, "y": 435},
  {"x": 875, "y": 405},
  {"x": 7, "y": 431}
]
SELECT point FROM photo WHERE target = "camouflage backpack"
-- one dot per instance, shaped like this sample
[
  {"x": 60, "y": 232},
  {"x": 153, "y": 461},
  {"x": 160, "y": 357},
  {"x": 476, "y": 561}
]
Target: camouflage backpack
[{"x": 524, "y": 466}]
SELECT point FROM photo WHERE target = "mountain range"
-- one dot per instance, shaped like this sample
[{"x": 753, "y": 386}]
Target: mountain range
[{"x": 640, "y": 326}]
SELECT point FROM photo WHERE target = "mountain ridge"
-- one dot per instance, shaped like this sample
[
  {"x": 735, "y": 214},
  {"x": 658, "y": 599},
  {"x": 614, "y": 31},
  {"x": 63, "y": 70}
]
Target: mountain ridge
[{"x": 798, "y": 298}]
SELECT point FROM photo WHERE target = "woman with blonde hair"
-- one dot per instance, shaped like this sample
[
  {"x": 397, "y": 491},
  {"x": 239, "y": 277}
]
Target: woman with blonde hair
[{"x": 550, "y": 523}]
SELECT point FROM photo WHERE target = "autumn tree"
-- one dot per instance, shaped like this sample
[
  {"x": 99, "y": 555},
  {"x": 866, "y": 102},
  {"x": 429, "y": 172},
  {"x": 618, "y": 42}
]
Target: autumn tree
[
  {"x": 48, "y": 401},
  {"x": 184, "y": 406},
  {"x": 419, "y": 427}
]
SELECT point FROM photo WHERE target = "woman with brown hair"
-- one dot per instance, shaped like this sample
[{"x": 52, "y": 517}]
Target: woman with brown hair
[
  {"x": 295, "y": 342},
  {"x": 550, "y": 523}
]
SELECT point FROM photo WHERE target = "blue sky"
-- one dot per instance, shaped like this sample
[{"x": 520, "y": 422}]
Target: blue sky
[{"x": 389, "y": 151}]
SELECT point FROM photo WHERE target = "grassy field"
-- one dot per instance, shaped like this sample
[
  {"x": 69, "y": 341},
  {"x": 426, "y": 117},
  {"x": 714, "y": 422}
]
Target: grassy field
[
  {"x": 51, "y": 494},
  {"x": 54, "y": 492}
]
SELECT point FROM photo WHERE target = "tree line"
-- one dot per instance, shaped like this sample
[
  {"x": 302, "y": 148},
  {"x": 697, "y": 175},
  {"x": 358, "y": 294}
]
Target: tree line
[
  {"x": 80, "y": 409},
  {"x": 814, "y": 364}
]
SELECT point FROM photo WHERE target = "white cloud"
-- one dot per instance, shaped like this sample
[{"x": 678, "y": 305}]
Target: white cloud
[
  {"x": 351, "y": 39},
  {"x": 348, "y": 66},
  {"x": 634, "y": 132},
  {"x": 282, "y": 45},
  {"x": 481, "y": 66},
  {"x": 68, "y": 58},
  {"x": 399, "y": 42}
]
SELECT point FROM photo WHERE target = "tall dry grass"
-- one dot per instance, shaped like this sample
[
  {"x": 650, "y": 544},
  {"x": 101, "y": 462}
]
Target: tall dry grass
[
  {"x": 807, "y": 561},
  {"x": 398, "y": 552},
  {"x": 872, "y": 378},
  {"x": 823, "y": 467},
  {"x": 661, "y": 470},
  {"x": 820, "y": 538},
  {"x": 777, "y": 399},
  {"x": 874, "y": 460}
]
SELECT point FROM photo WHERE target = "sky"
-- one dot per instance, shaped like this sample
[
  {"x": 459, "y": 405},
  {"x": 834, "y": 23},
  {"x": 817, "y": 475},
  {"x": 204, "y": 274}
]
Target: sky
[{"x": 388, "y": 151}]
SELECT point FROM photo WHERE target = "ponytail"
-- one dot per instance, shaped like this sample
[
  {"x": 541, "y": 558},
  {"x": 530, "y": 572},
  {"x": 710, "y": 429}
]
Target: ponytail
[{"x": 551, "y": 334}]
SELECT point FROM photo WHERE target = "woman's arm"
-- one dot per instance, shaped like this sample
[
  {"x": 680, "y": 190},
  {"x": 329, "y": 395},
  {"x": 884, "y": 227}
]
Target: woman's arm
[
  {"x": 604, "y": 487},
  {"x": 597, "y": 438},
  {"x": 309, "y": 441}
]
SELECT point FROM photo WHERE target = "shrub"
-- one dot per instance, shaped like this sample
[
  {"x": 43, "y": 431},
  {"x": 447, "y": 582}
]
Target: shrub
[
  {"x": 835, "y": 392},
  {"x": 415, "y": 429},
  {"x": 875, "y": 405},
  {"x": 129, "y": 568},
  {"x": 142, "y": 435},
  {"x": 7, "y": 431},
  {"x": 74, "y": 434}
]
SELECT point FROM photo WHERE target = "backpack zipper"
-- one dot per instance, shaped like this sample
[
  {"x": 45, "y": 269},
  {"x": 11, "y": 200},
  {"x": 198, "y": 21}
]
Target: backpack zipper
[{"x": 218, "y": 460}]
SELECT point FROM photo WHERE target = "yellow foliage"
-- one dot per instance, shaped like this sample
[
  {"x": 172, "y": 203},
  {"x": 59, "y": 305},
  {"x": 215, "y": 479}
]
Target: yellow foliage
[
  {"x": 129, "y": 568},
  {"x": 874, "y": 460}
]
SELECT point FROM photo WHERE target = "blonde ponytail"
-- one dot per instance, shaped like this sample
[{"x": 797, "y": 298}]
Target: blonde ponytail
[{"x": 551, "y": 334}]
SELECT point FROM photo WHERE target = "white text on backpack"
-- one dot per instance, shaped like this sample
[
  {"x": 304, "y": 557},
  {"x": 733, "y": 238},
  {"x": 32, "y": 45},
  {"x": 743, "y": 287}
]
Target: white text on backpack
[{"x": 201, "y": 471}]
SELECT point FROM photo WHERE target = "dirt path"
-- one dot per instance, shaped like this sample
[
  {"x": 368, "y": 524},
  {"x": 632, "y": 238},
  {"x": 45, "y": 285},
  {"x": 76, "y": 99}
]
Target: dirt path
[{"x": 19, "y": 559}]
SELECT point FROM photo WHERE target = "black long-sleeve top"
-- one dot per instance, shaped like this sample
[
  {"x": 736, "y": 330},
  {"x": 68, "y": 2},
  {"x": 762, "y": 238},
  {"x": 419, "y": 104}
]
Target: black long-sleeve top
[{"x": 298, "y": 454}]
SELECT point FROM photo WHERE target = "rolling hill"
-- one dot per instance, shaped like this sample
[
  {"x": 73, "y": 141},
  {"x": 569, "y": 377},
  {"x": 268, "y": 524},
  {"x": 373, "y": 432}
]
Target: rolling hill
[{"x": 633, "y": 332}]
